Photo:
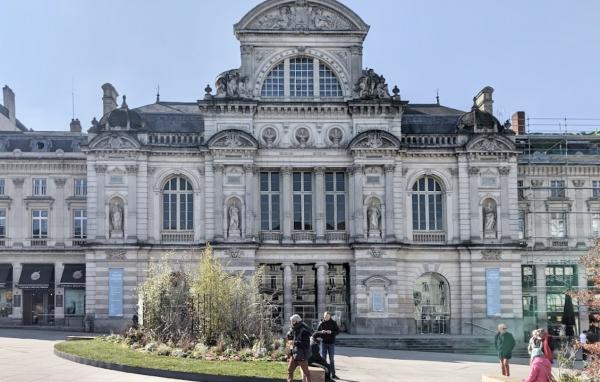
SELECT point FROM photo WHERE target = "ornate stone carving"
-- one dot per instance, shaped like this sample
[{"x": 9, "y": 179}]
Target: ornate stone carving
[
  {"x": 301, "y": 16},
  {"x": 100, "y": 168},
  {"x": 218, "y": 168},
  {"x": 116, "y": 218},
  {"x": 232, "y": 139},
  {"x": 302, "y": 135},
  {"x": 18, "y": 182},
  {"x": 373, "y": 141},
  {"x": 269, "y": 135},
  {"x": 389, "y": 168},
  {"x": 319, "y": 171},
  {"x": 504, "y": 170},
  {"x": 131, "y": 168},
  {"x": 453, "y": 171},
  {"x": 234, "y": 253},
  {"x": 286, "y": 170},
  {"x": 537, "y": 182},
  {"x": 116, "y": 254},
  {"x": 578, "y": 182},
  {"x": 60, "y": 182},
  {"x": 249, "y": 168},
  {"x": 231, "y": 84},
  {"x": 489, "y": 214},
  {"x": 404, "y": 171},
  {"x": 233, "y": 217},
  {"x": 371, "y": 86},
  {"x": 473, "y": 170},
  {"x": 335, "y": 135},
  {"x": 374, "y": 218},
  {"x": 114, "y": 142},
  {"x": 375, "y": 252},
  {"x": 491, "y": 254}
]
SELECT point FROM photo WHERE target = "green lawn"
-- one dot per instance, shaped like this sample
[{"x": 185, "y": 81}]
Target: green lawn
[{"x": 117, "y": 353}]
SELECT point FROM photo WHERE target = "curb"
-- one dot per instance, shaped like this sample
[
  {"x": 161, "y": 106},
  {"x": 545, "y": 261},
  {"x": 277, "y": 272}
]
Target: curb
[{"x": 160, "y": 373}]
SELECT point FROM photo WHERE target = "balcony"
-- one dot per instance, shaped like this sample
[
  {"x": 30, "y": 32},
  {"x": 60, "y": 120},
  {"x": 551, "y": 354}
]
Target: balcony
[
  {"x": 38, "y": 242},
  {"x": 177, "y": 237},
  {"x": 78, "y": 241},
  {"x": 301, "y": 237},
  {"x": 558, "y": 242},
  {"x": 336, "y": 236},
  {"x": 273, "y": 237},
  {"x": 429, "y": 237},
  {"x": 4, "y": 242}
]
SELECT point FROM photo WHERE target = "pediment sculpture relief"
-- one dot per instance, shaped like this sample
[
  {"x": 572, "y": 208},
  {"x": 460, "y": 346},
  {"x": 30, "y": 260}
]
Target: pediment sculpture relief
[
  {"x": 232, "y": 84},
  {"x": 302, "y": 17},
  {"x": 371, "y": 86},
  {"x": 232, "y": 139},
  {"x": 489, "y": 144},
  {"x": 114, "y": 142},
  {"x": 374, "y": 140}
]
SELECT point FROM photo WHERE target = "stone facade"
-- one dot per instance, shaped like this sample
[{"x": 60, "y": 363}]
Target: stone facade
[{"x": 400, "y": 218}]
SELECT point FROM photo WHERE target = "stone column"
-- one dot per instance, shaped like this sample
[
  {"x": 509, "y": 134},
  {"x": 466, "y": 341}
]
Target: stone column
[
  {"x": 219, "y": 201},
  {"x": 101, "y": 226},
  {"x": 287, "y": 293},
  {"x": 17, "y": 312},
  {"x": 287, "y": 205},
  {"x": 463, "y": 231},
  {"x": 249, "y": 170},
  {"x": 60, "y": 218},
  {"x": 358, "y": 202},
  {"x": 59, "y": 313},
  {"x": 540, "y": 280},
  {"x": 319, "y": 196},
  {"x": 351, "y": 207},
  {"x": 20, "y": 225},
  {"x": 321, "y": 288},
  {"x": 584, "y": 316},
  {"x": 130, "y": 230},
  {"x": 389, "y": 202}
]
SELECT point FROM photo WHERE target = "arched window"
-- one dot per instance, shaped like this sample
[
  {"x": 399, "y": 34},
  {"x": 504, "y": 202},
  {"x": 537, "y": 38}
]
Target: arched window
[
  {"x": 178, "y": 205},
  {"x": 427, "y": 208},
  {"x": 300, "y": 74}
]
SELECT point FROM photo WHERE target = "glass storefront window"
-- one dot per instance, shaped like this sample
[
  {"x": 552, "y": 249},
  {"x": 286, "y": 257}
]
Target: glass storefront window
[
  {"x": 5, "y": 302},
  {"x": 74, "y": 302}
]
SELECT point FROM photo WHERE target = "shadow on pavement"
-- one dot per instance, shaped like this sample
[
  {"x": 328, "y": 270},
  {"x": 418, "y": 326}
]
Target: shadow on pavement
[{"x": 43, "y": 335}]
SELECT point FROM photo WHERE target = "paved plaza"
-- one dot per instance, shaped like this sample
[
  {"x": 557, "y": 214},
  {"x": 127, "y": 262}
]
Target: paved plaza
[{"x": 26, "y": 356}]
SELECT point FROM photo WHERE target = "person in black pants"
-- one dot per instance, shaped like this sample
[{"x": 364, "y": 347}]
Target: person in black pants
[
  {"x": 329, "y": 329},
  {"x": 315, "y": 357}
]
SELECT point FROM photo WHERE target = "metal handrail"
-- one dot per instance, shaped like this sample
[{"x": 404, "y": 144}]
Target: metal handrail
[{"x": 481, "y": 327}]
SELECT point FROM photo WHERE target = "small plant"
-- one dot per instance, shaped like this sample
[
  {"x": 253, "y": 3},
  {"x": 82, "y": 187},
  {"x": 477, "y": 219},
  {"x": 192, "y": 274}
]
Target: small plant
[
  {"x": 565, "y": 358},
  {"x": 163, "y": 349}
]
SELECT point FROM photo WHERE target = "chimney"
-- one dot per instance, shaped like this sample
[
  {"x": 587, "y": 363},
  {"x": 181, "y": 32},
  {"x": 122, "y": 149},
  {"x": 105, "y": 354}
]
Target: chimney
[
  {"x": 109, "y": 98},
  {"x": 484, "y": 101},
  {"x": 75, "y": 126},
  {"x": 9, "y": 104},
  {"x": 518, "y": 122}
]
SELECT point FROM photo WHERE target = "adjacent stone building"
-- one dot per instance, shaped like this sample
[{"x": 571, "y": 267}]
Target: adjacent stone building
[{"x": 400, "y": 218}]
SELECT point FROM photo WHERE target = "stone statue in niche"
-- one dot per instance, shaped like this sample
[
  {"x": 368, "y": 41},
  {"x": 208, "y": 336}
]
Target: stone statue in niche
[
  {"x": 489, "y": 220},
  {"x": 372, "y": 86},
  {"x": 234, "y": 221},
  {"x": 374, "y": 220},
  {"x": 116, "y": 219},
  {"x": 231, "y": 84}
]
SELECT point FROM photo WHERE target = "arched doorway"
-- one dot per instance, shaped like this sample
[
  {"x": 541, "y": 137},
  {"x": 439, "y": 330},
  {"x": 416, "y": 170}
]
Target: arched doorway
[{"x": 432, "y": 304}]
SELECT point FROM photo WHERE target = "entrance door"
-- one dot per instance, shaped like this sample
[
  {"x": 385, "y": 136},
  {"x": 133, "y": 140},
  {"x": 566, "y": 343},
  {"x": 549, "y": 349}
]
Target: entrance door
[
  {"x": 432, "y": 304},
  {"x": 38, "y": 307}
]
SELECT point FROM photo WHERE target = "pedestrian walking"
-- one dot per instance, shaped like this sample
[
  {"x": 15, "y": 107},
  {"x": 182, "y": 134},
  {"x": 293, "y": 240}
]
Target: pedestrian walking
[
  {"x": 541, "y": 368},
  {"x": 583, "y": 341},
  {"x": 505, "y": 343},
  {"x": 329, "y": 330},
  {"x": 299, "y": 336},
  {"x": 535, "y": 342}
]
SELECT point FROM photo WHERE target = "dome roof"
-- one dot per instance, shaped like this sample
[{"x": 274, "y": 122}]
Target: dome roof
[
  {"x": 478, "y": 120},
  {"x": 122, "y": 117}
]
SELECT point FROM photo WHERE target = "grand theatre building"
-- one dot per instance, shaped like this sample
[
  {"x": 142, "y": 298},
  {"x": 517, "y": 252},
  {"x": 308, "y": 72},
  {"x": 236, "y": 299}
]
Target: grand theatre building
[{"x": 400, "y": 218}]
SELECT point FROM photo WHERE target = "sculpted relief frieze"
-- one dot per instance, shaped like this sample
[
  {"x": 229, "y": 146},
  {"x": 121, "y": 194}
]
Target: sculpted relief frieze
[{"x": 301, "y": 17}]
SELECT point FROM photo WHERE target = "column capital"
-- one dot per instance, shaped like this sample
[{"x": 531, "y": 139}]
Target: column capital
[
  {"x": 319, "y": 171},
  {"x": 285, "y": 265},
  {"x": 358, "y": 168},
  {"x": 321, "y": 264},
  {"x": 100, "y": 168},
  {"x": 60, "y": 182},
  {"x": 389, "y": 167},
  {"x": 18, "y": 182},
  {"x": 218, "y": 167},
  {"x": 249, "y": 168},
  {"x": 286, "y": 170}
]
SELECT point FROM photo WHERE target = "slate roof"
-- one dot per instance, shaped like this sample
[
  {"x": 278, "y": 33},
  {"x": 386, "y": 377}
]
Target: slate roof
[
  {"x": 430, "y": 119},
  {"x": 41, "y": 141}
]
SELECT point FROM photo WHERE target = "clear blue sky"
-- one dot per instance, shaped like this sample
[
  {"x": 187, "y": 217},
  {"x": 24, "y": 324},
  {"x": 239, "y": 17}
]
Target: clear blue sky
[{"x": 541, "y": 56}]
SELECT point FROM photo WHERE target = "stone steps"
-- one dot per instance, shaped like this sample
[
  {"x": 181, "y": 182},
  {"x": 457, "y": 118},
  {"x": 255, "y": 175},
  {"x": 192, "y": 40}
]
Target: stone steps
[{"x": 449, "y": 344}]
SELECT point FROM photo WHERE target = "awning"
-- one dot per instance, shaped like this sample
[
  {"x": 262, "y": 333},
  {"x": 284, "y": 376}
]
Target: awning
[
  {"x": 73, "y": 276},
  {"x": 6, "y": 272},
  {"x": 36, "y": 276}
]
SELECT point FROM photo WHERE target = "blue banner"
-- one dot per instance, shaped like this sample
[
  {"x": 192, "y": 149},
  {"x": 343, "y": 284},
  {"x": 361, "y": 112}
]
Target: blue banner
[
  {"x": 492, "y": 286},
  {"x": 115, "y": 292}
]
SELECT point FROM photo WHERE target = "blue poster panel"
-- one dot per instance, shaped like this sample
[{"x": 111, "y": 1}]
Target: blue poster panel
[
  {"x": 115, "y": 292},
  {"x": 492, "y": 287}
]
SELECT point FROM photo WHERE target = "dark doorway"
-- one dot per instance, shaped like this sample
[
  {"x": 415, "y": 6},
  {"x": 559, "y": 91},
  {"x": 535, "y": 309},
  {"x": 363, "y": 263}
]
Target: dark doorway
[{"x": 38, "y": 307}]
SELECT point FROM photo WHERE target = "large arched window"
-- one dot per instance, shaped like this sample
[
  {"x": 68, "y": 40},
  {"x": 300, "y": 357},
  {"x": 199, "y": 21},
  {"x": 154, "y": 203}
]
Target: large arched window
[
  {"x": 427, "y": 208},
  {"x": 301, "y": 77},
  {"x": 178, "y": 205}
]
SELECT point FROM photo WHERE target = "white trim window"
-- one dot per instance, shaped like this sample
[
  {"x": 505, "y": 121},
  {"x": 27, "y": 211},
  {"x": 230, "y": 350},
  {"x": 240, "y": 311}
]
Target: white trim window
[
  {"x": 596, "y": 189},
  {"x": 270, "y": 215},
  {"x": 80, "y": 223},
  {"x": 557, "y": 188},
  {"x": 335, "y": 201},
  {"x": 329, "y": 86},
  {"x": 596, "y": 225},
  {"x": 427, "y": 208},
  {"x": 178, "y": 205},
  {"x": 80, "y": 187},
  {"x": 558, "y": 225},
  {"x": 521, "y": 224},
  {"x": 39, "y": 224},
  {"x": 274, "y": 84},
  {"x": 302, "y": 200},
  {"x": 2, "y": 222},
  {"x": 39, "y": 187},
  {"x": 2, "y": 187}
]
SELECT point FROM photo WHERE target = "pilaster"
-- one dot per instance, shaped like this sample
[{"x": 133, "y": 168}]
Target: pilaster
[
  {"x": 287, "y": 292},
  {"x": 389, "y": 202},
  {"x": 321, "y": 288},
  {"x": 320, "y": 203},
  {"x": 286, "y": 196}
]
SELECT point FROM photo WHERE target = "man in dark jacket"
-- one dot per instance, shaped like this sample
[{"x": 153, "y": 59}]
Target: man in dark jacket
[
  {"x": 299, "y": 336},
  {"x": 329, "y": 330},
  {"x": 315, "y": 356}
]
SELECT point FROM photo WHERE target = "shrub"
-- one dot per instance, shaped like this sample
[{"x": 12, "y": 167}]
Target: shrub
[{"x": 163, "y": 349}]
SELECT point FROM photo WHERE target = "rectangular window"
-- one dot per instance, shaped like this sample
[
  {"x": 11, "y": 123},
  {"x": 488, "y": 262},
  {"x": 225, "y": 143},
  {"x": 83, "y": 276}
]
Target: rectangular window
[
  {"x": 39, "y": 187},
  {"x": 39, "y": 224},
  {"x": 561, "y": 276},
  {"x": 521, "y": 225},
  {"x": 520, "y": 189},
  {"x": 80, "y": 187},
  {"x": 301, "y": 77},
  {"x": 269, "y": 201},
  {"x": 596, "y": 189},
  {"x": 300, "y": 282},
  {"x": 2, "y": 187},
  {"x": 558, "y": 224},
  {"x": 273, "y": 282},
  {"x": 2, "y": 223},
  {"x": 74, "y": 302},
  {"x": 528, "y": 277},
  {"x": 335, "y": 201},
  {"x": 302, "y": 200},
  {"x": 596, "y": 225},
  {"x": 80, "y": 224},
  {"x": 557, "y": 188},
  {"x": 529, "y": 306}
]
